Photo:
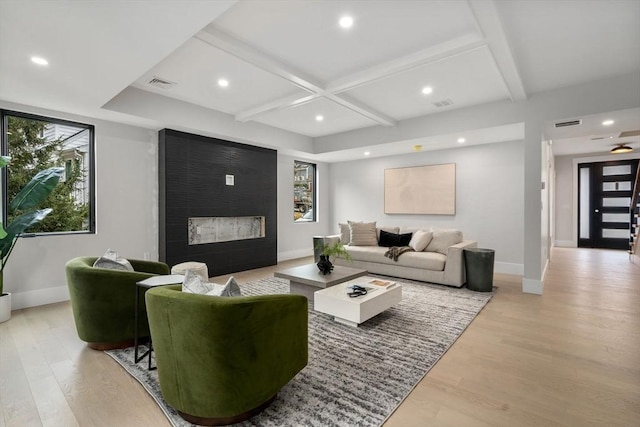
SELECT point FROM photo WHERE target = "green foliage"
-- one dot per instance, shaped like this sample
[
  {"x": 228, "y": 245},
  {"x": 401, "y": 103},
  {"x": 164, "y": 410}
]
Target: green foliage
[
  {"x": 336, "y": 250},
  {"x": 30, "y": 153}
]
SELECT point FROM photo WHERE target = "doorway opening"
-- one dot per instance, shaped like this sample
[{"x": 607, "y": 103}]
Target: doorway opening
[{"x": 604, "y": 202}]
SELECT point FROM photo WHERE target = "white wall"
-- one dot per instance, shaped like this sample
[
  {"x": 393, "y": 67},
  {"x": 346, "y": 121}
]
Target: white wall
[
  {"x": 295, "y": 239},
  {"x": 489, "y": 198},
  {"x": 126, "y": 213}
]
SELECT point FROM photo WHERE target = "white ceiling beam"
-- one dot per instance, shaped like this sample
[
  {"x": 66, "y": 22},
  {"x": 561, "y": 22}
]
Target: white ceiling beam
[
  {"x": 232, "y": 46},
  {"x": 240, "y": 50},
  {"x": 432, "y": 54},
  {"x": 361, "y": 109},
  {"x": 278, "y": 104},
  {"x": 490, "y": 25}
]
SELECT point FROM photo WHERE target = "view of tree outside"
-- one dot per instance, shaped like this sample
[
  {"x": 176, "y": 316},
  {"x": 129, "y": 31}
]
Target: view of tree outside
[
  {"x": 35, "y": 145},
  {"x": 304, "y": 196}
]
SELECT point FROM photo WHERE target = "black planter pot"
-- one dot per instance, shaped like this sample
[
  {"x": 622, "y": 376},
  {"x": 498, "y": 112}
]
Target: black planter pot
[{"x": 324, "y": 265}]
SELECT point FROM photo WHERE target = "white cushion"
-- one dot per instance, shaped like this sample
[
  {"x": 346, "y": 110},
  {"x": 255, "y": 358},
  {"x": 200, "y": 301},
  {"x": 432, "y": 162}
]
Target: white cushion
[
  {"x": 363, "y": 234},
  {"x": 194, "y": 284},
  {"x": 420, "y": 240},
  {"x": 442, "y": 239},
  {"x": 112, "y": 261}
]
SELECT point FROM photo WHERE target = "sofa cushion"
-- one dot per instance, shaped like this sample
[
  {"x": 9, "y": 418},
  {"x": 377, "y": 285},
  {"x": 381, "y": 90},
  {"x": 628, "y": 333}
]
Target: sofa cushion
[
  {"x": 424, "y": 260},
  {"x": 363, "y": 234},
  {"x": 393, "y": 239},
  {"x": 420, "y": 240},
  {"x": 442, "y": 239},
  {"x": 394, "y": 230}
]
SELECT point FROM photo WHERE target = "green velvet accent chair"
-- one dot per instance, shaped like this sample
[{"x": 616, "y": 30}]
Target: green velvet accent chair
[
  {"x": 222, "y": 360},
  {"x": 103, "y": 301}
]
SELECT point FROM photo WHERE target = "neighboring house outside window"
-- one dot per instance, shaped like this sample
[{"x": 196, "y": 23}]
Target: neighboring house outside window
[
  {"x": 35, "y": 143},
  {"x": 304, "y": 192}
]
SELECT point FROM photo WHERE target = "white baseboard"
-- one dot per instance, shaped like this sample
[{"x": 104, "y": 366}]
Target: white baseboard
[
  {"x": 565, "y": 243},
  {"x": 39, "y": 297},
  {"x": 300, "y": 253},
  {"x": 531, "y": 286},
  {"x": 509, "y": 268}
]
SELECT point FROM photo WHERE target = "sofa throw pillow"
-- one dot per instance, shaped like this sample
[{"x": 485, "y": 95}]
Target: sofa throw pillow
[
  {"x": 420, "y": 240},
  {"x": 112, "y": 261},
  {"x": 389, "y": 240},
  {"x": 442, "y": 239},
  {"x": 394, "y": 230},
  {"x": 345, "y": 233},
  {"x": 363, "y": 233},
  {"x": 194, "y": 284}
]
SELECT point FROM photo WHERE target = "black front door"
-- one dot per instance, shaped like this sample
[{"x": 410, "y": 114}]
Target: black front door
[{"x": 604, "y": 197}]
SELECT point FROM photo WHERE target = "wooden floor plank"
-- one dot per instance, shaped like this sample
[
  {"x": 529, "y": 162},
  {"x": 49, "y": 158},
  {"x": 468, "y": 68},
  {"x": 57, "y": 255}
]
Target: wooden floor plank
[{"x": 566, "y": 358}]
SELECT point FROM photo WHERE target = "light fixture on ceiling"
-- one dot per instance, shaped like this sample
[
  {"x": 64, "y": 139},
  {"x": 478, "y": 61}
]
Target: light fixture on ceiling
[
  {"x": 367, "y": 153},
  {"x": 39, "y": 60},
  {"x": 621, "y": 148},
  {"x": 461, "y": 140},
  {"x": 417, "y": 147},
  {"x": 427, "y": 90},
  {"x": 608, "y": 122},
  {"x": 346, "y": 21},
  {"x": 223, "y": 82},
  {"x": 319, "y": 118}
]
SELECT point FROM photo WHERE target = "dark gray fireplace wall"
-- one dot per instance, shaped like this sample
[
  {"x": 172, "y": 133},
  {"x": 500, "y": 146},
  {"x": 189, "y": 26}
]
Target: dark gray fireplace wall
[{"x": 192, "y": 183}]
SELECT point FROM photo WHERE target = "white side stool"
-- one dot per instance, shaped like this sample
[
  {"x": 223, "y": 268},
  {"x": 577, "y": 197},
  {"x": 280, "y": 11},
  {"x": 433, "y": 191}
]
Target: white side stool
[{"x": 198, "y": 268}]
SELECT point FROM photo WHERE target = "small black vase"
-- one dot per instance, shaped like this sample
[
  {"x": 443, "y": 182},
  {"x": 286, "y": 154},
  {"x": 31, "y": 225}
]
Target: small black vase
[{"x": 324, "y": 265}]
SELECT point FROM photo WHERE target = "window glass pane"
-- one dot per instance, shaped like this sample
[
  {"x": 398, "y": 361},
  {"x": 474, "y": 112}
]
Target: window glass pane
[
  {"x": 37, "y": 143},
  {"x": 616, "y": 186},
  {"x": 609, "y": 217},
  {"x": 611, "y": 233},
  {"x": 616, "y": 170},
  {"x": 304, "y": 184},
  {"x": 616, "y": 201},
  {"x": 584, "y": 203}
]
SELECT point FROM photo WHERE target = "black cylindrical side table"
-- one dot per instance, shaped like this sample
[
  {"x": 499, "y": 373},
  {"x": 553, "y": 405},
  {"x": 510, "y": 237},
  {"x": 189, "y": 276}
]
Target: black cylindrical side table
[{"x": 478, "y": 263}]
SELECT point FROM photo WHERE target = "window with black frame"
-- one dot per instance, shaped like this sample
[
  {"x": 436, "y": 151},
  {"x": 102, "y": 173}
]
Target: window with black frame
[
  {"x": 36, "y": 143},
  {"x": 304, "y": 191}
]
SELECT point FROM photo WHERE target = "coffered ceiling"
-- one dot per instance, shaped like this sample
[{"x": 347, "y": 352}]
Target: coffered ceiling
[{"x": 290, "y": 66}]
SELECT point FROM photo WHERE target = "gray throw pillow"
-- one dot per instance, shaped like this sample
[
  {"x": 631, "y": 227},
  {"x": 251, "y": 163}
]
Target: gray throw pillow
[
  {"x": 363, "y": 234},
  {"x": 194, "y": 284},
  {"x": 112, "y": 261}
]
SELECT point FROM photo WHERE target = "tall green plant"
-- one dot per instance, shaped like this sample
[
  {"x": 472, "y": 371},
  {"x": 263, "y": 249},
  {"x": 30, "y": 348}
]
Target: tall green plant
[{"x": 23, "y": 205}]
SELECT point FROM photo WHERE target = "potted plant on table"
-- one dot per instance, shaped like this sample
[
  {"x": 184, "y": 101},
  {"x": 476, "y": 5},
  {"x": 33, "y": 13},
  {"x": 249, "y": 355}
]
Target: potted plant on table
[
  {"x": 24, "y": 205},
  {"x": 329, "y": 254}
]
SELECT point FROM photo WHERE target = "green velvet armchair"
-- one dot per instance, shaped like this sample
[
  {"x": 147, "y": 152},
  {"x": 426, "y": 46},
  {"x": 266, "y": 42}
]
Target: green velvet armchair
[
  {"x": 103, "y": 301},
  {"x": 222, "y": 360}
]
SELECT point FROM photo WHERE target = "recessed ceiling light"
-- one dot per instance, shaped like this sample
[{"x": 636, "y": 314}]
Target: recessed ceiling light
[
  {"x": 38, "y": 60},
  {"x": 417, "y": 147},
  {"x": 319, "y": 118},
  {"x": 608, "y": 122},
  {"x": 223, "y": 82},
  {"x": 427, "y": 90},
  {"x": 366, "y": 153},
  {"x": 461, "y": 140},
  {"x": 346, "y": 22}
]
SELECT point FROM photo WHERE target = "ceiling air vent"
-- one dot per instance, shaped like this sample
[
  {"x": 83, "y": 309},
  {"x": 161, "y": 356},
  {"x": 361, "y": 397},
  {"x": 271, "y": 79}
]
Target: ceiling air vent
[
  {"x": 568, "y": 123},
  {"x": 161, "y": 83},
  {"x": 629, "y": 133},
  {"x": 443, "y": 103}
]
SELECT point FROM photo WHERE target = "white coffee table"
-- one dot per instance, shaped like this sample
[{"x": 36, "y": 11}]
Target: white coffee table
[
  {"x": 306, "y": 279},
  {"x": 354, "y": 311}
]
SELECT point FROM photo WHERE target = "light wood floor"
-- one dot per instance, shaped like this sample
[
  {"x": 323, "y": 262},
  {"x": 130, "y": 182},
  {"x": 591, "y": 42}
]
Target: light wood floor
[{"x": 568, "y": 358}]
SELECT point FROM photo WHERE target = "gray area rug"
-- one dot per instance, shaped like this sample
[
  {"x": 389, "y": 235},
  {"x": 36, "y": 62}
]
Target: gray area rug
[{"x": 355, "y": 376}]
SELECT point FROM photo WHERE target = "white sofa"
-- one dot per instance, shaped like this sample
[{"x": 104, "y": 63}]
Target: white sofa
[{"x": 441, "y": 261}]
